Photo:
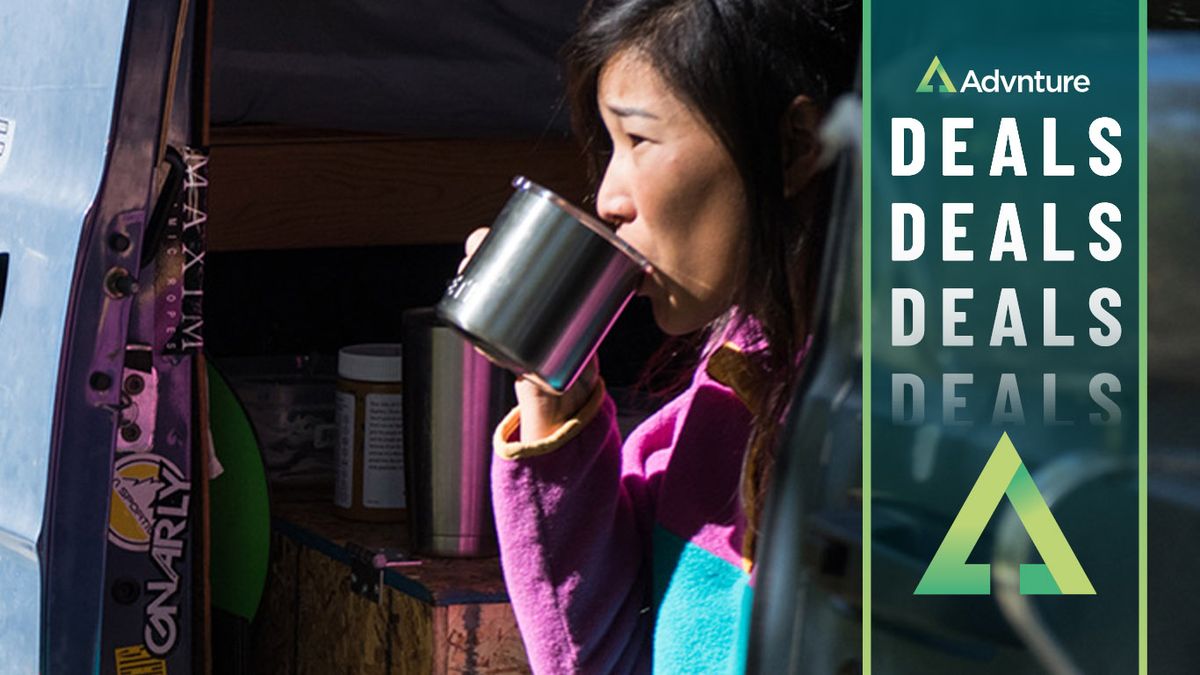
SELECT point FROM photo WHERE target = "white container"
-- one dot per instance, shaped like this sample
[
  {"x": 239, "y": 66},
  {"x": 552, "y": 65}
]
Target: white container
[{"x": 369, "y": 461}]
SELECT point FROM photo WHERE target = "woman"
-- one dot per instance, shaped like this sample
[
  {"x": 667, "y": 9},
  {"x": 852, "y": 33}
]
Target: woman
[{"x": 701, "y": 117}]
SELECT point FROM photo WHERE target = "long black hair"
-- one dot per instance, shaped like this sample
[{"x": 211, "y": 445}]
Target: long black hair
[{"x": 739, "y": 64}]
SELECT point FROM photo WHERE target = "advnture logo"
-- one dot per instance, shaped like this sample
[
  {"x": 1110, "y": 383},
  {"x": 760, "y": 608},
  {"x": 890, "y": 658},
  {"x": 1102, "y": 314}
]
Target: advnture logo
[
  {"x": 935, "y": 68},
  {"x": 1004, "y": 475},
  {"x": 996, "y": 82}
]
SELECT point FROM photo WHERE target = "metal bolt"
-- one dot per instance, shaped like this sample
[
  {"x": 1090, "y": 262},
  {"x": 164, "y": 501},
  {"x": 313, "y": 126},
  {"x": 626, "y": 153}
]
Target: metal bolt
[
  {"x": 134, "y": 385},
  {"x": 119, "y": 242},
  {"x": 100, "y": 381},
  {"x": 131, "y": 432},
  {"x": 120, "y": 283},
  {"x": 125, "y": 591}
]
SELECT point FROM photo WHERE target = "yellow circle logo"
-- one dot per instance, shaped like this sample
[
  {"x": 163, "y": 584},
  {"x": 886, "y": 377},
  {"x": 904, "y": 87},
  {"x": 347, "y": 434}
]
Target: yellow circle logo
[{"x": 137, "y": 481}]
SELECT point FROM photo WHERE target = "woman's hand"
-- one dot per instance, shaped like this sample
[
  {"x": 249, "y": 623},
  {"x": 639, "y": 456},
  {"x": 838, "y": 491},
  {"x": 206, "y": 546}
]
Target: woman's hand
[
  {"x": 541, "y": 412},
  {"x": 472, "y": 244}
]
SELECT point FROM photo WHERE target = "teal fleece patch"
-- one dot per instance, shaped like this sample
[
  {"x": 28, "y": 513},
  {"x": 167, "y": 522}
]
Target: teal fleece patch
[{"x": 702, "y": 606}]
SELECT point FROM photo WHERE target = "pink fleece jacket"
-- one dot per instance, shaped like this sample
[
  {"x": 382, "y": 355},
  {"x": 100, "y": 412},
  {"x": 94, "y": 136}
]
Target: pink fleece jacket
[{"x": 620, "y": 557}]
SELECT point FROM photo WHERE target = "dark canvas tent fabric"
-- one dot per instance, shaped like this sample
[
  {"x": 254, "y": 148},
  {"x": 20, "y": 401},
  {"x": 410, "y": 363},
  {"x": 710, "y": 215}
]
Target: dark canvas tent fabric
[{"x": 472, "y": 69}]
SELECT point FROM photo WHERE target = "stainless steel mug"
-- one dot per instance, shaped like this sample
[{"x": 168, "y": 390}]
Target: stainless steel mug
[
  {"x": 544, "y": 287},
  {"x": 453, "y": 400}
]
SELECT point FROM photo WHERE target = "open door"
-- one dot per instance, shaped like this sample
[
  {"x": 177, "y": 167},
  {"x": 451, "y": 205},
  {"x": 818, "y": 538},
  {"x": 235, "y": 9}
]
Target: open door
[{"x": 83, "y": 97}]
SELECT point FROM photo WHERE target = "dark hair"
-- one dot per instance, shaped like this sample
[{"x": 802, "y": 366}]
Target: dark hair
[{"x": 739, "y": 64}]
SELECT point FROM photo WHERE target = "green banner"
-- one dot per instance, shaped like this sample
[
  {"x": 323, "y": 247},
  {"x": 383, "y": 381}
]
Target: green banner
[{"x": 1004, "y": 238}]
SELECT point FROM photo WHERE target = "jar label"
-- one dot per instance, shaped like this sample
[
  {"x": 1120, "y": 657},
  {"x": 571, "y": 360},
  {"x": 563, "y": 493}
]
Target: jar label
[
  {"x": 383, "y": 452},
  {"x": 343, "y": 492}
]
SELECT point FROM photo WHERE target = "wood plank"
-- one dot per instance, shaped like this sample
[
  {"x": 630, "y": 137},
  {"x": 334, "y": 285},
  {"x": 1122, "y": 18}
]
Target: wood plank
[
  {"x": 273, "y": 189},
  {"x": 274, "y": 638},
  {"x": 482, "y": 639},
  {"x": 311, "y": 622},
  {"x": 343, "y": 632},
  {"x": 412, "y": 638}
]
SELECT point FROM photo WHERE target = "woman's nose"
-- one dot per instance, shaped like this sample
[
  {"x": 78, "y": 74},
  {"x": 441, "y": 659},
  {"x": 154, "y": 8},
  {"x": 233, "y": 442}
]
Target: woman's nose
[{"x": 614, "y": 202}]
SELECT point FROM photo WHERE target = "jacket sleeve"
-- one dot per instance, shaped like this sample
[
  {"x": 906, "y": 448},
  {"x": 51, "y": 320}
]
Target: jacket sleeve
[{"x": 571, "y": 514}]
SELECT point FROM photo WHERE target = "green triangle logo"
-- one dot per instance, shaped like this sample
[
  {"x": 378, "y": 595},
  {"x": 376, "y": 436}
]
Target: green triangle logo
[
  {"x": 1005, "y": 474},
  {"x": 926, "y": 86}
]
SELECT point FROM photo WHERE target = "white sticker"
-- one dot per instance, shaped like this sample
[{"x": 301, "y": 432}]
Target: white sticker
[
  {"x": 343, "y": 489},
  {"x": 383, "y": 452},
  {"x": 7, "y": 129}
]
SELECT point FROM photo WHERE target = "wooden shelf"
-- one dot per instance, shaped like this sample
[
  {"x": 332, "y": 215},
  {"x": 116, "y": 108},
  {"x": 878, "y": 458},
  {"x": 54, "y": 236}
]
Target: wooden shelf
[
  {"x": 442, "y": 616},
  {"x": 437, "y": 581},
  {"x": 280, "y": 188}
]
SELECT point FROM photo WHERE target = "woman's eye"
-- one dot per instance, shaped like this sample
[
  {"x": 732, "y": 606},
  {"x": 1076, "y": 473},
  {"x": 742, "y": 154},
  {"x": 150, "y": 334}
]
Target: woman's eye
[{"x": 635, "y": 140}]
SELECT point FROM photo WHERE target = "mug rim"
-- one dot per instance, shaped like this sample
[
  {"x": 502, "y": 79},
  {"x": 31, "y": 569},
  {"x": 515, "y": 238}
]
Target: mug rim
[{"x": 588, "y": 220}]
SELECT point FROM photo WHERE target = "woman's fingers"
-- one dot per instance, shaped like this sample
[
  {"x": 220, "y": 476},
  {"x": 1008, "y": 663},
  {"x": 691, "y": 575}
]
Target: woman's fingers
[
  {"x": 475, "y": 239},
  {"x": 542, "y": 413},
  {"x": 472, "y": 244},
  {"x": 587, "y": 379}
]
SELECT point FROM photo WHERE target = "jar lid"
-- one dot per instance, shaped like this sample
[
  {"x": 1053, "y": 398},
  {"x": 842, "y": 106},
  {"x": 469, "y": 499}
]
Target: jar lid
[{"x": 370, "y": 362}]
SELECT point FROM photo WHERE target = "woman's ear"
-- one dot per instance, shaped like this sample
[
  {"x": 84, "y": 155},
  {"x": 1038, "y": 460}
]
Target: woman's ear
[{"x": 800, "y": 144}]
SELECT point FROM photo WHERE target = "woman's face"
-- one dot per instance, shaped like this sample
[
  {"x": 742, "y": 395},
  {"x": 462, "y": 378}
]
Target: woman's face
[{"x": 673, "y": 190}]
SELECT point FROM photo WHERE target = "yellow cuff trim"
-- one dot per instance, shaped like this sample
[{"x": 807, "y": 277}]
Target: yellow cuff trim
[
  {"x": 509, "y": 427},
  {"x": 733, "y": 368}
]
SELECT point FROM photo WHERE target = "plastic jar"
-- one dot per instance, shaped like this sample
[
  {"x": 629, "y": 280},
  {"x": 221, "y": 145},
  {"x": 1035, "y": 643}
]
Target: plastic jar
[{"x": 370, "y": 442}]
